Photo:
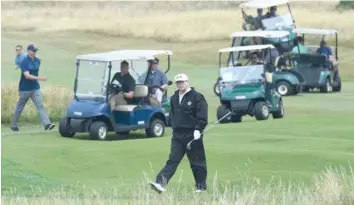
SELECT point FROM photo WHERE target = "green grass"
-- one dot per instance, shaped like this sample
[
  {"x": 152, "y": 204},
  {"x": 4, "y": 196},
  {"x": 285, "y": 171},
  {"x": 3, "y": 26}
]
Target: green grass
[{"x": 317, "y": 130}]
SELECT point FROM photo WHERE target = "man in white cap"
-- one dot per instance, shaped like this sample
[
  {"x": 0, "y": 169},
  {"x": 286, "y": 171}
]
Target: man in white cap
[{"x": 189, "y": 117}]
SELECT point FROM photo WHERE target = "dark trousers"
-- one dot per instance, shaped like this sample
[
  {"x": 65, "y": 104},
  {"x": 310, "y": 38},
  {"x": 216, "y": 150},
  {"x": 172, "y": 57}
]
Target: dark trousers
[{"x": 196, "y": 157}]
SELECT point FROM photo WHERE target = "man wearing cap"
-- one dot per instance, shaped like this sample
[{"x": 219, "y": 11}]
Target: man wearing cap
[
  {"x": 30, "y": 88},
  {"x": 189, "y": 117},
  {"x": 20, "y": 56},
  {"x": 157, "y": 81},
  {"x": 127, "y": 83}
]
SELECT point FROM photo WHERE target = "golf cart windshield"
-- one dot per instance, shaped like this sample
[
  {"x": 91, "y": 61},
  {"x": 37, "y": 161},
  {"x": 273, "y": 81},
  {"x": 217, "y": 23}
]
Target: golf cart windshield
[
  {"x": 284, "y": 21},
  {"x": 90, "y": 79},
  {"x": 242, "y": 74}
]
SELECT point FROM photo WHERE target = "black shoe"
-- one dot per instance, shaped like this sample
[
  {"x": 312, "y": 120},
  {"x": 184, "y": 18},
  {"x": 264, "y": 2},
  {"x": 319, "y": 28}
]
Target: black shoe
[
  {"x": 49, "y": 127},
  {"x": 14, "y": 129}
]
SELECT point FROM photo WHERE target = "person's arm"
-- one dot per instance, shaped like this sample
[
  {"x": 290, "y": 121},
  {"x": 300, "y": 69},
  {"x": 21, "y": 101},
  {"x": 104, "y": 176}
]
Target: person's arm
[
  {"x": 25, "y": 71},
  {"x": 164, "y": 82},
  {"x": 131, "y": 88},
  {"x": 201, "y": 113}
]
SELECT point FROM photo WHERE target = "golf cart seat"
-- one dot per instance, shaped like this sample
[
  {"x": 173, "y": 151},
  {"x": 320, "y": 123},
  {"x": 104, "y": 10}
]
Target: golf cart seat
[
  {"x": 314, "y": 60},
  {"x": 141, "y": 91}
]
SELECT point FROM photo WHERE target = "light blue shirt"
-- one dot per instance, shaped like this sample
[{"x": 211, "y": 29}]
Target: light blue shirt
[{"x": 19, "y": 58}]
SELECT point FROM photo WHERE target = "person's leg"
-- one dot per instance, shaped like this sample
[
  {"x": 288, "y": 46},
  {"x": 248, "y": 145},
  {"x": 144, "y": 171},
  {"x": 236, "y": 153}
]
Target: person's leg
[
  {"x": 176, "y": 154},
  {"x": 37, "y": 100},
  {"x": 21, "y": 103},
  {"x": 197, "y": 160}
]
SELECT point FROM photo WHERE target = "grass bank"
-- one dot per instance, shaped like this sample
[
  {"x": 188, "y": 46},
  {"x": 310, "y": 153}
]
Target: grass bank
[{"x": 333, "y": 186}]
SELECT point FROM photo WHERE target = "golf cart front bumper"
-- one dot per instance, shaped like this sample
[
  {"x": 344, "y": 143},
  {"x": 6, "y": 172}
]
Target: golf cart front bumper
[{"x": 240, "y": 106}]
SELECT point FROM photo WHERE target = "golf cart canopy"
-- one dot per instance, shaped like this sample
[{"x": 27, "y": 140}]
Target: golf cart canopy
[
  {"x": 315, "y": 31},
  {"x": 245, "y": 48},
  {"x": 262, "y": 4},
  {"x": 121, "y": 55},
  {"x": 263, "y": 33}
]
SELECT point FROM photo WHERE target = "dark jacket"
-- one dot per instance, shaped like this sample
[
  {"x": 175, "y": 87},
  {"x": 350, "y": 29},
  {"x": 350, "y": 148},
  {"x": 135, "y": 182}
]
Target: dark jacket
[{"x": 192, "y": 113}]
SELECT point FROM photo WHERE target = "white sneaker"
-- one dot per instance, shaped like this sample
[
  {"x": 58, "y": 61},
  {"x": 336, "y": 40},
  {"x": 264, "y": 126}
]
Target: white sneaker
[
  {"x": 157, "y": 187},
  {"x": 199, "y": 190}
]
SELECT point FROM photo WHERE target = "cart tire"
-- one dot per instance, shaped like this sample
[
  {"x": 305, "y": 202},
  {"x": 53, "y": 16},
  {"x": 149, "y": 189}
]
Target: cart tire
[
  {"x": 98, "y": 130},
  {"x": 64, "y": 128},
  {"x": 261, "y": 110},
  {"x": 221, "y": 112},
  {"x": 284, "y": 88},
  {"x": 156, "y": 128},
  {"x": 216, "y": 88},
  {"x": 279, "y": 113},
  {"x": 338, "y": 88}
]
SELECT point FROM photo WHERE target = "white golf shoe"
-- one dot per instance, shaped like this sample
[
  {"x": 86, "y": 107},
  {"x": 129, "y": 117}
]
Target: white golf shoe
[
  {"x": 157, "y": 187},
  {"x": 200, "y": 190}
]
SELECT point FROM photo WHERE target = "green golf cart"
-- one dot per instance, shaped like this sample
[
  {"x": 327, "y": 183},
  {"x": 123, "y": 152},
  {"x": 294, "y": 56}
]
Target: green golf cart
[
  {"x": 287, "y": 81},
  {"x": 320, "y": 65},
  {"x": 247, "y": 89}
]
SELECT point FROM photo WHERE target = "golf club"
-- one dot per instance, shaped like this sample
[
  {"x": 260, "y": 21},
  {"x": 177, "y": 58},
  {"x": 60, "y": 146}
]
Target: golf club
[{"x": 189, "y": 143}]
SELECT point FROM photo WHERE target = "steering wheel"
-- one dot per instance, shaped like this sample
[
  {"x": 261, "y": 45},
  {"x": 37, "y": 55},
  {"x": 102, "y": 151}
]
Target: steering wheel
[{"x": 114, "y": 88}]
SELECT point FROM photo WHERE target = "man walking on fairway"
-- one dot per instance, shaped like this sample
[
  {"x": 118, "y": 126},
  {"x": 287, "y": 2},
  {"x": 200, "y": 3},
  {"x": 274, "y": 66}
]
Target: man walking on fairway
[
  {"x": 189, "y": 117},
  {"x": 29, "y": 88}
]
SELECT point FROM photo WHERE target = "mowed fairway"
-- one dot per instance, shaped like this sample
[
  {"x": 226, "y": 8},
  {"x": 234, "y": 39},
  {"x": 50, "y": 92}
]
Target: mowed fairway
[{"x": 316, "y": 133}]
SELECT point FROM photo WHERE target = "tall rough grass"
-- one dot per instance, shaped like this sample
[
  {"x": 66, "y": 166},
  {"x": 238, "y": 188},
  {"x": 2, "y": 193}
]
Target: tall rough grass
[
  {"x": 164, "y": 21},
  {"x": 331, "y": 187},
  {"x": 55, "y": 100}
]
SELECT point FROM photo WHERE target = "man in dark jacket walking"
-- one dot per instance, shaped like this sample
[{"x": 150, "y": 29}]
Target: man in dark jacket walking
[{"x": 189, "y": 117}]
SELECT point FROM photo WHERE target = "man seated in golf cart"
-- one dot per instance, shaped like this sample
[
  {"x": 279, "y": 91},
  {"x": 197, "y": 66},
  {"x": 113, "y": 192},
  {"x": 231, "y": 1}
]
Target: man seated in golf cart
[
  {"x": 300, "y": 47},
  {"x": 255, "y": 22},
  {"x": 272, "y": 12},
  {"x": 157, "y": 83},
  {"x": 123, "y": 86},
  {"x": 255, "y": 59}
]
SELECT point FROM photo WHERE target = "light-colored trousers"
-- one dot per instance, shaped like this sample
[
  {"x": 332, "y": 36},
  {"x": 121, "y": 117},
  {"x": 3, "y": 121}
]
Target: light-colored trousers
[{"x": 36, "y": 97}]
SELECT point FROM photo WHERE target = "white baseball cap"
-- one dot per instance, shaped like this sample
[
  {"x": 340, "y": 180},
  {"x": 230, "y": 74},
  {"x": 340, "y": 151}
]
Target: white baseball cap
[{"x": 181, "y": 77}]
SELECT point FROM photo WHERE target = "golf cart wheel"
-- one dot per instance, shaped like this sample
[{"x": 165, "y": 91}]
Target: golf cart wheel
[
  {"x": 216, "y": 88},
  {"x": 284, "y": 88},
  {"x": 156, "y": 128},
  {"x": 279, "y": 113},
  {"x": 327, "y": 87},
  {"x": 98, "y": 130},
  {"x": 261, "y": 110},
  {"x": 64, "y": 128},
  {"x": 338, "y": 86},
  {"x": 221, "y": 112}
]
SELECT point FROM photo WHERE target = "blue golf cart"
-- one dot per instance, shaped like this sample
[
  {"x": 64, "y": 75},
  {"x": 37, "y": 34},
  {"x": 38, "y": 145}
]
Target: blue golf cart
[{"x": 90, "y": 110}]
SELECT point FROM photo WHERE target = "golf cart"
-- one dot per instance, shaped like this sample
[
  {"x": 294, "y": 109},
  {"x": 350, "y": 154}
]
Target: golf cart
[
  {"x": 247, "y": 89},
  {"x": 268, "y": 21},
  {"x": 319, "y": 70},
  {"x": 90, "y": 109},
  {"x": 287, "y": 81}
]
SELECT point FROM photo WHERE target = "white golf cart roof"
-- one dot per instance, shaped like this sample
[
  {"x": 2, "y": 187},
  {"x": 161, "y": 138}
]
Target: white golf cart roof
[
  {"x": 264, "y": 34},
  {"x": 315, "y": 31},
  {"x": 246, "y": 48},
  {"x": 120, "y": 55},
  {"x": 262, "y": 4}
]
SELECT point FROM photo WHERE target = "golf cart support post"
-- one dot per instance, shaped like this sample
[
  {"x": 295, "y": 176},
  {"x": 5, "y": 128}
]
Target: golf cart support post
[
  {"x": 90, "y": 110},
  {"x": 247, "y": 90}
]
